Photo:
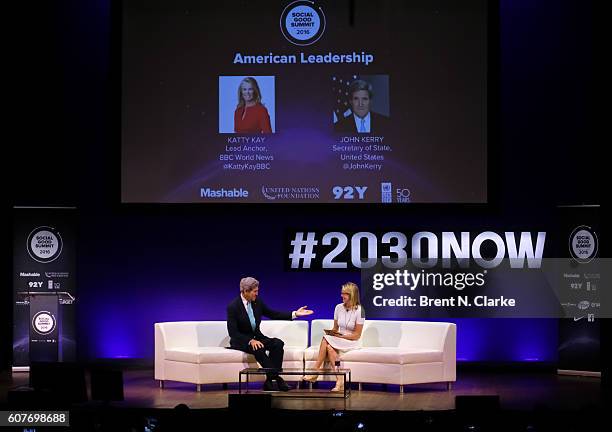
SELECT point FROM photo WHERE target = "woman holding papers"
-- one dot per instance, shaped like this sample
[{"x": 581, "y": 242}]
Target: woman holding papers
[{"x": 349, "y": 318}]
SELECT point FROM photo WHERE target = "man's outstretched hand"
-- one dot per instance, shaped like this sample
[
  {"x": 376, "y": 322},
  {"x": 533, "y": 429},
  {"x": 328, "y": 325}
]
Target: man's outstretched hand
[{"x": 303, "y": 311}]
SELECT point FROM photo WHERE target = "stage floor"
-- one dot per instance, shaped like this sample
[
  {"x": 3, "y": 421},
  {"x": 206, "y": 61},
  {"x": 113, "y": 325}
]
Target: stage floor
[{"x": 517, "y": 391}]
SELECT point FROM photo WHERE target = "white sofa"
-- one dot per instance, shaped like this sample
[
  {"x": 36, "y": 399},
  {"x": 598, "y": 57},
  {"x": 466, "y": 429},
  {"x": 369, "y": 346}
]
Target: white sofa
[
  {"x": 396, "y": 352},
  {"x": 393, "y": 352},
  {"x": 195, "y": 351}
]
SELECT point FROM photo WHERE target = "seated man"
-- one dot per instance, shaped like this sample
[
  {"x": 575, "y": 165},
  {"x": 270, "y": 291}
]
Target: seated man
[{"x": 243, "y": 319}]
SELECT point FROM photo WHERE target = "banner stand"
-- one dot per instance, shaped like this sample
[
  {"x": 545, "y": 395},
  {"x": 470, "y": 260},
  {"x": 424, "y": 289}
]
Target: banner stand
[
  {"x": 44, "y": 285},
  {"x": 580, "y": 332}
]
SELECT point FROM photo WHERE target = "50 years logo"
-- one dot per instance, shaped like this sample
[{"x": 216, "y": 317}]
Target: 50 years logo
[{"x": 302, "y": 22}]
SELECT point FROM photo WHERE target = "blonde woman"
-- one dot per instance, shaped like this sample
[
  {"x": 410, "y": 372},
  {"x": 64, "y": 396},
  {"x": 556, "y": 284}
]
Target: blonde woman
[
  {"x": 251, "y": 116},
  {"x": 349, "y": 318}
]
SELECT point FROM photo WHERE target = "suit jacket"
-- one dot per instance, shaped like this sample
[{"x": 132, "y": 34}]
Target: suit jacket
[
  {"x": 239, "y": 325},
  {"x": 378, "y": 124}
]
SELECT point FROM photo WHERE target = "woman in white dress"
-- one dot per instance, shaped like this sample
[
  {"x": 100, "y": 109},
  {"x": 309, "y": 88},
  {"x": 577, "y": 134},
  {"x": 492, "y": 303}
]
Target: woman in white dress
[{"x": 346, "y": 334}]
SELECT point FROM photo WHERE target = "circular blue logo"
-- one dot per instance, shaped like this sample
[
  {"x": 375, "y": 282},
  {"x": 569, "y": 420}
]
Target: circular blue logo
[{"x": 302, "y": 23}]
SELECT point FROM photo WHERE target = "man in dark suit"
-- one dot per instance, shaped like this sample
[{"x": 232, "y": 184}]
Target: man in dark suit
[
  {"x": 243, "y": 318},
  {"x": 361, "y": 119}
]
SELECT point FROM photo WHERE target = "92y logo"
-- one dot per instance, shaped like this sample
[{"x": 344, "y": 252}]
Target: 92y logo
[{"x": 349, "y": 192}]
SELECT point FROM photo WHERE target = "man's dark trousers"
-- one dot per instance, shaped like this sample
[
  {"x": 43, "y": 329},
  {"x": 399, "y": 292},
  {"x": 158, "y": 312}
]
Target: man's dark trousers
[{"x": 274, "y": 360}]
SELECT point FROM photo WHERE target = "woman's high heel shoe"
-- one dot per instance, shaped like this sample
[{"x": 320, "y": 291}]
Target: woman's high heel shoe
[
  {"x": 339, "y": 385},
  {"x": 310, "y": 378}
]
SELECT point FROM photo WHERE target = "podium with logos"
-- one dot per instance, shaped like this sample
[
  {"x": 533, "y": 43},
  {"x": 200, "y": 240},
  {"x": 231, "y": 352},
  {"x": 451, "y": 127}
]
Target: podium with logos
[
  {"x": 45, "y": 323},
  {"x": 44, "y": 285}
]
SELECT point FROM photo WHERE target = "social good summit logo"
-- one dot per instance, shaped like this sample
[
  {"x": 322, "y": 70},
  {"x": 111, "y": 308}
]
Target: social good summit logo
[{"x": 302, "y": 22}]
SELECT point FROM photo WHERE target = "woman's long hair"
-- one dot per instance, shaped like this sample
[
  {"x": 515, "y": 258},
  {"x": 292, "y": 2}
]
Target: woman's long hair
[{"x": 256, "y": 91}]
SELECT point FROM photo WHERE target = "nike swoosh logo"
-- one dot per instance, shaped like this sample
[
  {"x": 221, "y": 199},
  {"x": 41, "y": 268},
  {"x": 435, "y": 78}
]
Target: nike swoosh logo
[{"x": 578, "y": 319}]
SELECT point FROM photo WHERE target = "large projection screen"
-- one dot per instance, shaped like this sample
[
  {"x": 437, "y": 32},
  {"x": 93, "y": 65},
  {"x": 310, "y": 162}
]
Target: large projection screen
[{"x": 304, "y": 102}]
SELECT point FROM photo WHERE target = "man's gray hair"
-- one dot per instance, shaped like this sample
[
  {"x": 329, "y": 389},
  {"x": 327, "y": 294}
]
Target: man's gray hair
[
  {"x": 360, "y": 85},
  {"x": 248, "y": 284}
]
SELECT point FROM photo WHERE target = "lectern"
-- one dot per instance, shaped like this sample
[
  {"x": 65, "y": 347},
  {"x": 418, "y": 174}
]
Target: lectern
[{"x": 45, "y": 323}]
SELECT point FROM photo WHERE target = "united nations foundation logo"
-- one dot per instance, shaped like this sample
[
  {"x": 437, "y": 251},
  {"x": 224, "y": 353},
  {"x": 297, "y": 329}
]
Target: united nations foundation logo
[
  {"x": 290, "y": 193},
  {"x": 44, "y": 244},
  {"x": 302, "y": 22},
  {"x": 583, "y": 244},
  {"x": 43, "y": 322}
]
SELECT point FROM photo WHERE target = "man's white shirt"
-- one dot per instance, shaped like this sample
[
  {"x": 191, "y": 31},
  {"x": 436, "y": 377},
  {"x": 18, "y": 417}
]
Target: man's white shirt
[{"x": 365, "y": 128}]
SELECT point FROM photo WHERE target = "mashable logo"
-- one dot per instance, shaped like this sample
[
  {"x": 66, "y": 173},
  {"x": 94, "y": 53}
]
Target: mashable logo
[{"x": 223, "y": 193}]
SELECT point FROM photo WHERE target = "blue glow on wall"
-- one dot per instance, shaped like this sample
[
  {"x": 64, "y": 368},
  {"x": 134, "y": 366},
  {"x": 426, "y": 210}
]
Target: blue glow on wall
[{"x": 139, "y": 268}]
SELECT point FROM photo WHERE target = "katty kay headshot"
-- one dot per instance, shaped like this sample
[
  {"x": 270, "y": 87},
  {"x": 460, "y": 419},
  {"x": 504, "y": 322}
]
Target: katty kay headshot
[{"x": 252, "y": 109}]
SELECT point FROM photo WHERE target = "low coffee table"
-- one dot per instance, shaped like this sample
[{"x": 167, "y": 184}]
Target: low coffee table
[{"x": 344, "y": 373}]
